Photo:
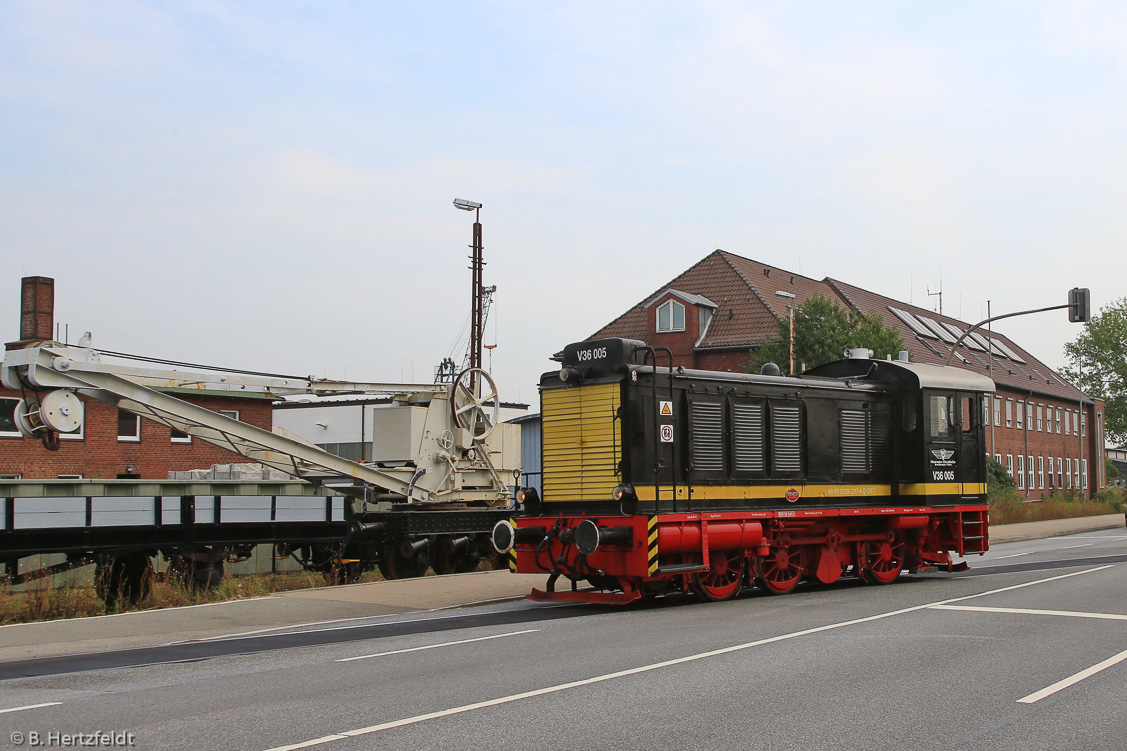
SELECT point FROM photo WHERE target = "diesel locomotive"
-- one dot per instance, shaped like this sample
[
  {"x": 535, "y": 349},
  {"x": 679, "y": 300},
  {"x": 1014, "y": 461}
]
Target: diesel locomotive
[{"x": 659, "y": 479}]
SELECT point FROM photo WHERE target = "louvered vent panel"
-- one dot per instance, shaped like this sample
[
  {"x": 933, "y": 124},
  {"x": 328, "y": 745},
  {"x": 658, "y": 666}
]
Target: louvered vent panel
[
  {"x": 708, "y": 437},
  {"x": 854, "y": 440},
  {"x": 880, "y": 442},
  {"x": 786, "y": 439},
  {"x": 747, "y": 437}
]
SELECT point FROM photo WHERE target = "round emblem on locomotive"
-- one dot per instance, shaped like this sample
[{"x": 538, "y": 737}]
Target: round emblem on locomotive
[{"x": 792, "y": 494}]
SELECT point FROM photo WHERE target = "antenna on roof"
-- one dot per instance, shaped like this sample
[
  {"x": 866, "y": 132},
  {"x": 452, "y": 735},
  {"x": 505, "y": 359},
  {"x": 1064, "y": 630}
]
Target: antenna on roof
[{"x": 938, "y": 294}]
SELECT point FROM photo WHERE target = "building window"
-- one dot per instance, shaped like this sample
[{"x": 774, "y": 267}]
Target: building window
[
  {"x": 70, "y": 477},
  {"x": 671, "y": 316},
  {"x": 998, "y": 458},
  {"x": 232, "y": 413},
  {"x": 1068, "y": 422},
  {"x": 1029, "y": 415},
  {"x": 986, "y": 412},
  {"x": 997, "y": 411},
  {"x": 1021, "y": 415},
  {"x": 1040, "y": 473},
  {"x": 1020, "y": 472},
  {"x": 1076, "y": 473},
  {"x": 1010, "y": 464},
  {"x": 1058, "y": 421},
  {"x": 1084, "y": 472},
  {"x": 128, "y": 426},
  {"x": 179, "y": 436},
  {"x": 1009, "y": 413},
  {"x": 8, "y": 427},
  {"x": 1040, "y": 417},
  {"x": 1083, "y": 423},
  {"x": 1060, "y": 473},
  {"x": 1076, "y": 422},
  {"x": 1029, "y": 468},
  {"x": 1052, "y": 474},
  {"x": 1068, "y": 474},
  {"x": 10, "y": 476}
]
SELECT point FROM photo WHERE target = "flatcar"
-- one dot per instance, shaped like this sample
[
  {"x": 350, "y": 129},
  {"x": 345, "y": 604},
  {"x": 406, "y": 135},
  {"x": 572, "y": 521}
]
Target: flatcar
[{"x": 658, "y": 479}]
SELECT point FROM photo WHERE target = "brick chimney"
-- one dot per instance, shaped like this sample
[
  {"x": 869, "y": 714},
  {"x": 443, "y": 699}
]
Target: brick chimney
[{"x": 37, "y": 311}]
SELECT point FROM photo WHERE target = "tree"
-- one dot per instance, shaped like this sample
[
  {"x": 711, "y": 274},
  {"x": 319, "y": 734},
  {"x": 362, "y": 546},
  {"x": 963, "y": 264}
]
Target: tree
[
  {"x": 823, "y": 330},
  {"x": 1098, "y": 365}
]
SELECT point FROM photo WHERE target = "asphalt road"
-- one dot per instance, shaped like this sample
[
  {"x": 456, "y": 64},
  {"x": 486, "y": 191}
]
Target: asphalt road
[{"x": 1028, "y": 650}]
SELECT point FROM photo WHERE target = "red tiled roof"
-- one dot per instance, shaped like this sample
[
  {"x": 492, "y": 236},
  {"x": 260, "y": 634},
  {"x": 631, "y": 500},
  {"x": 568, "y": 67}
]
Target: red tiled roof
[{"x": 748, "y": 311}]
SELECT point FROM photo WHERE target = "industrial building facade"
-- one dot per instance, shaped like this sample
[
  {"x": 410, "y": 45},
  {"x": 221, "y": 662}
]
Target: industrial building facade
[{"x": 1044, "y": 430}]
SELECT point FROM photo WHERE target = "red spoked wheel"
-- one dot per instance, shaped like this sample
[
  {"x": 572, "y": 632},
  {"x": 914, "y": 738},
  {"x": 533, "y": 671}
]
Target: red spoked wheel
[
  {"x": 780, "y": 570},
  {"x": 882, "y": 561},
  {"x": 723, "y": 580}
]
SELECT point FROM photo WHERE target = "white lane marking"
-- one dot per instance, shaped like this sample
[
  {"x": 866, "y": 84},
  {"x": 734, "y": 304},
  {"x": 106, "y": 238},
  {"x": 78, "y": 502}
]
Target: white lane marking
[
  {"x": 1073, "y": 679},
  {"x": 436, "y": 646},
  {"x": 1082, "y": 545},
  {"x": 31, "y": 706},
  {"x": 1013, "y": 555},
  {"x": 1027, "y": 611},
  {"x": 656, "y": 666}
]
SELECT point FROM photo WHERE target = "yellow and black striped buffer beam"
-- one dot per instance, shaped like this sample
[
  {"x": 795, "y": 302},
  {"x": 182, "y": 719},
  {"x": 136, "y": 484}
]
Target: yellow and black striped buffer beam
[
  {"x": 653, "y": 545},
  {"x": 513, "y": 551},
  {"x": 581, "y": 442}
]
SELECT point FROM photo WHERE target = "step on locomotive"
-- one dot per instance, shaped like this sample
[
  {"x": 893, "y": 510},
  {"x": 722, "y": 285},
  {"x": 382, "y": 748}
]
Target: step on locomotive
[{"x": 658, "y": 479}]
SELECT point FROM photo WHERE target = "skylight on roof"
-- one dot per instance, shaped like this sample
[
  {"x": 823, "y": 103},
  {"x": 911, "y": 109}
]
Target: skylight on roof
[
  {"x": 968, "y": 341},
  {"x": 941, "y": 332},
  {"x": 911, "y": 322},
  {"x": 1008, "y": 352}
]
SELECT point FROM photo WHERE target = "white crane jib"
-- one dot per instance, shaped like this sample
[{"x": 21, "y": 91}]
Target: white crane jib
[{"x": 460, "y": 452}]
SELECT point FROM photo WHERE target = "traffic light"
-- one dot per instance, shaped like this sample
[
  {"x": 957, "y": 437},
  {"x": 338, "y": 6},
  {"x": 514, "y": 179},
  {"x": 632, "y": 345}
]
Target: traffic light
[{"x": 1079, "y": 305}]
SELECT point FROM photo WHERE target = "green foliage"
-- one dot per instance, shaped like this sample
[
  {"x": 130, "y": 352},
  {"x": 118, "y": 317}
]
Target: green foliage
[
  {"x": 1112, "y": 470},
  {"x": 998, "y": 480},
  {"x": 823, "y": 330},
  {"x": 1098, "y": 365}
]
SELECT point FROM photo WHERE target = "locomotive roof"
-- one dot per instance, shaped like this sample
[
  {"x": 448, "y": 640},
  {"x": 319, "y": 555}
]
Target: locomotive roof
[{"x": 921, "y": 375}]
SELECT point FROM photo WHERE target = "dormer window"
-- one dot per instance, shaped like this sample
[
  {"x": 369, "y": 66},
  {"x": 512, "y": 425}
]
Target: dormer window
[{"x": 671, "y": 316}]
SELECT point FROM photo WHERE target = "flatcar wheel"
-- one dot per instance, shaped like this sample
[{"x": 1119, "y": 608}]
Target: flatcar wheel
[
  {"x": 394, "y": 565},
  {"x": 882, "y": 561},
  {"x": 723, "y": 580},
  {"x": 780, "y": 570}
]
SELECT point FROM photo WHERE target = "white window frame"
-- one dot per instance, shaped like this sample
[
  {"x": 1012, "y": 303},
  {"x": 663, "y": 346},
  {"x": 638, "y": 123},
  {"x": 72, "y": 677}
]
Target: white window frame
[
  {"x": 1009, "y": 413},
  {"x": 1076, "y": 422},
  {"x": 1010, "y": 464},
  {"x": 232, "y": 413},
  {"x": 673, "y": 306},
  {"x": 1040, "y": 473},
  {"x": 1020, "y": 415},
  {"x": 70, "y": 477},
  {"x": 1029, "y": 415},
  {"x": 1067, "y": 474},
  {"x": 1040, "y": 418},
  {"x": 1083, "y": 424},
  {"x": 1084, "y": 472},
  {"x": 186, "y": 438},
  {"x": 1058, "y": 421},
  {"x": 1060, "y": 474},
  {"x": 128, "y": 438},
  {"x": 1031, "y": 483},
  {"x": 1068, "y": 422},
  {"x": 1076, "y": 472},
  {"x": 997, "y": 411},
  {"x": 11, "y": 433},
  {"x": 1052, "y": 474},
  {"x": 1020, "y": 477}
]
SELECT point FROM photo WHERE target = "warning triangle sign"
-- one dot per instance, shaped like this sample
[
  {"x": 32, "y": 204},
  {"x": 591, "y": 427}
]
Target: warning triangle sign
[{"x": 667, "y": 408}]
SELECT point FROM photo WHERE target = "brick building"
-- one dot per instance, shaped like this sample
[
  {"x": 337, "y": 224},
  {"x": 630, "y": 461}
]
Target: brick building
[
  {"x": 1042, "y": 428},
  {"x": 113, "y": 443}
]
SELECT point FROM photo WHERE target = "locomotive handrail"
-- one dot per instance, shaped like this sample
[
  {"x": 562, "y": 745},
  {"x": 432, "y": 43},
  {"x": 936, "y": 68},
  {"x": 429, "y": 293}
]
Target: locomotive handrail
[{"x": 657, "y": 427}]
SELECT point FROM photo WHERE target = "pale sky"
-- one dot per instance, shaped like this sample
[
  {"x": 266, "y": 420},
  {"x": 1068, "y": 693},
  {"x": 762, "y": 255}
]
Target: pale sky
[{"x": 269, "y": 185}]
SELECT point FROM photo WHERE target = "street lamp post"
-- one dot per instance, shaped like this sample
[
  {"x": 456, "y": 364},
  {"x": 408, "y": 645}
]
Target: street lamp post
[{"x": 476, "y": 264}]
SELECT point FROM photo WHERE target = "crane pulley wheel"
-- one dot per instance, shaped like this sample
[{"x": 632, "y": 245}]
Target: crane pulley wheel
[{"x": 470, "y": 397}]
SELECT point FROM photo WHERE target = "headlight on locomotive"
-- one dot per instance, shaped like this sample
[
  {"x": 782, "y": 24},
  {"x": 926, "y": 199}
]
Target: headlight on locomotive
[{"x": 626, "y": 497}]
